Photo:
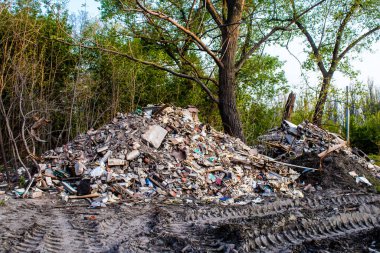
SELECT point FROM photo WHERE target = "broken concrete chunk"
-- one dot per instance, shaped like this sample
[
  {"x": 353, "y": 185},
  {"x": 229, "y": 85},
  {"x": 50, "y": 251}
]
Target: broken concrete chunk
[
  {"x": 79, "y": 168},
  {"x": 136, "y": 145},
  {"x": 155, "y": 135},
  {"x": 133, "y": 155},
  {"x": 102, "y": 149},
  {"x": 116, "y": 162},
  {"x": 97, "y": 172},
  {"x": 105, "y": 157},
  {"x": 36, "y": 194}
]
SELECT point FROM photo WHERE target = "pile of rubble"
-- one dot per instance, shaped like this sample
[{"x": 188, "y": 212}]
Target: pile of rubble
[
  {"x": 161, "y": 153},
  {"x": 291, "y": 141}
]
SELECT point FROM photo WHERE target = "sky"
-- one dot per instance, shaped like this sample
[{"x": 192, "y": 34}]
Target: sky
[
  {"x": 91, "y": 6},
  {"x": 368, "y": 63}
]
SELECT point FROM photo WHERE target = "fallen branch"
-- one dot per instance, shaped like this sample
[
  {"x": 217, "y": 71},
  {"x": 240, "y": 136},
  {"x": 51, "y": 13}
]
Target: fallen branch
[
  {"x": 38, "y": 124},
  {"x": 92, "y": 195}
]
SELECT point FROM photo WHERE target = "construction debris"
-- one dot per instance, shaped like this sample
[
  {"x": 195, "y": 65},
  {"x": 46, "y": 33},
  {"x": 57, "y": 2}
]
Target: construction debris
[
  {"x": 291, "y": 141},
  {"x": 162, "y": 153}
]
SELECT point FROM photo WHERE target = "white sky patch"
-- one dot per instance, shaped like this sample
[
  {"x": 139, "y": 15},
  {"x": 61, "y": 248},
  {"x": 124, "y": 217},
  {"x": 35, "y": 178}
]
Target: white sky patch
[{"x": 92, "y": 7}]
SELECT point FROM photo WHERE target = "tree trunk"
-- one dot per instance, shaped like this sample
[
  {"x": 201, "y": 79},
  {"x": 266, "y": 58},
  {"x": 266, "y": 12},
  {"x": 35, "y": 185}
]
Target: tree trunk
[
  {"x": 227, "y": 76},
  {"x": 319, "y": 107},
  {"x": 227, "y": 104},
  {"x": 289, "y": 106}
]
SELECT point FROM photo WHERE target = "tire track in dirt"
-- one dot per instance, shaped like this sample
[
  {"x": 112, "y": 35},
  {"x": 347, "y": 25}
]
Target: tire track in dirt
[
  {"x": 271, "y": 227},
  {"x": 27, "y": 228},
  {"x": 251, "y": 228},
  {"x": 275, "y": 208},
  {"x": 310, "y": 230}
]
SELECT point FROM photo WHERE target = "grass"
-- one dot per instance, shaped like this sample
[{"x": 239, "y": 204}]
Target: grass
[
  {"x": 2, "y": 202},
  {"x": 374, "y": 181},
  {"x": 376, "y": 158}
]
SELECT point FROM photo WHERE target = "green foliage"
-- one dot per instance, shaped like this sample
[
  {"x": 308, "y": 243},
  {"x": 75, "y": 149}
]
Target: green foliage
[
  {"x": 366, "y": 136},
  {"x": 22, "y": 181},
  {"x": 375, "y": 158},
  {"x": 2, "y": 202},
  {"x": 365, "y": 114},
  {"x": 332, "y": 31},
  {"x": 261, "y": 83},
  {"x": 261, "y": 79},
  {"x": 323, "y": 24}
]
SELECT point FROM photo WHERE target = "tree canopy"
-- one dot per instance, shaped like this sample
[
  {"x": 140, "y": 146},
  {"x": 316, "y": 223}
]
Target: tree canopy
[{"x": 331, "y": 31}]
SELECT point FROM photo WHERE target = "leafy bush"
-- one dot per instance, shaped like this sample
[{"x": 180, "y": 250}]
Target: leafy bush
[{"x": 366, "y": 136}]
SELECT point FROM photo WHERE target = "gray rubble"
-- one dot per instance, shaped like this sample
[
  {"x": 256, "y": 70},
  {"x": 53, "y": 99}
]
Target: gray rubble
[
  {"x": 290, "y": 141},
  {"x": 166, "y": 154}
]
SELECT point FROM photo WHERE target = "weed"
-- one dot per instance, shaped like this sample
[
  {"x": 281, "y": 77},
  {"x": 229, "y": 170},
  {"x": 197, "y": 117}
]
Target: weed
[
  {"x": 376, "y": 158},
  {"x": 22, "y": 181}
]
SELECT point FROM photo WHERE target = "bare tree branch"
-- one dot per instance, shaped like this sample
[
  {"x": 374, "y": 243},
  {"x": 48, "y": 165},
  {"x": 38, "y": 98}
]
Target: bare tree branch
[
  {"x": 214, "y": 14},
  {"x": 314, "y": 48},
  {"x": 257, "y": 45},
  {"x": 355, "y": 42},
  {"x": 190, "y": 13},
  {"x": 196, "y": 71},
  {"x": 340, "y": 33},
  {"x": 198, "y": 41},
  {"x": 323, "y": 31}
]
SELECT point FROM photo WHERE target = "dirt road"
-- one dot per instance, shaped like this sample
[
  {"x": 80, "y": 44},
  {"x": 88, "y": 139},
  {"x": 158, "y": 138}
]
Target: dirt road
[{"x": 334, "y": 222}]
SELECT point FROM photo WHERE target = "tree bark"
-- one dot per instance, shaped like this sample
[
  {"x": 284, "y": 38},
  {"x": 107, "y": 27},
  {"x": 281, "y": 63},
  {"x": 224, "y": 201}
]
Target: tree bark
[
  {"x": 289, "y": 106},
  {"x": 227, "y": 74},
  {"x": 319, "y": 107},
  {"x": 227, "y": 103}
]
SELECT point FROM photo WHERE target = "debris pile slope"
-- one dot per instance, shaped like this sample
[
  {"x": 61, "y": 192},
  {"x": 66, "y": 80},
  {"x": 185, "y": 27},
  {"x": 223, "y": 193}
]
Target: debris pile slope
[
  {"x": 310, "y": 146},
  {"x": 290, "y": 140},
  {"x": 164, "y": 153}
]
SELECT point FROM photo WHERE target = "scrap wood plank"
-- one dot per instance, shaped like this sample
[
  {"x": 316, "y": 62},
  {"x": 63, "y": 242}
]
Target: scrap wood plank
[
  {"x": 331, "y": 149},
  {"x": 93, "y": 195}
]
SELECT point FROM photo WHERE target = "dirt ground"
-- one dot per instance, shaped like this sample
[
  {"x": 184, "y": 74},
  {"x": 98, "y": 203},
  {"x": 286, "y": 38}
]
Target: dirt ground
[
  {"x": 340, "y": 216},
  {"x": 334, "y": 171},
  {"x": 329, "y": 222}
]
